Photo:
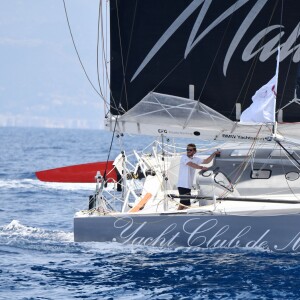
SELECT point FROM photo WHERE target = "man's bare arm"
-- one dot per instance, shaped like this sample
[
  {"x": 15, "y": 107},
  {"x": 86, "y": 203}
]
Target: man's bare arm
[
  {"x": 195, "y": 166},
  {"x": 210, "y": 158}
]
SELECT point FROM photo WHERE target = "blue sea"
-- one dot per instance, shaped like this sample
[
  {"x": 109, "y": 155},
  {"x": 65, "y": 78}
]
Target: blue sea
[{"x": 39, "y": 260}]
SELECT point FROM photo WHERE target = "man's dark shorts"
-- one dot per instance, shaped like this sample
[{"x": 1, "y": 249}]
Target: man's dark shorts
[{"x": 184, "y": 191}]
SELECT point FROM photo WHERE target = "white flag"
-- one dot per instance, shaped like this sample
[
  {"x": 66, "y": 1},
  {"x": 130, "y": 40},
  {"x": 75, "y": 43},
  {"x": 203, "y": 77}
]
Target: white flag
[{"x": 262, "y": 110}]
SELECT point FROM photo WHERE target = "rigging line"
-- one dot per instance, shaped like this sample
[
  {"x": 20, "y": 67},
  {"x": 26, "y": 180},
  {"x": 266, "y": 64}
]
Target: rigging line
[
  {"x": 131, "y": 34},
  {"x": 157, "y": 163},
  {"x": 66, "y": 13},
  {"x": 163, "y": 154},
  {"x": 180, "y": 61},
  {"x": 109, "y": 151},
  {"x": 253, "y": 65},
  {"x": 289, "y": 68},
  {"x": 217, "y": 53},
  {"x": 122, "y": 59},
  {"x": 168, "y": 74},
  {"x": 284, "y": 171},
  {"x": 290, "y": 154},
  {"x": 104, "y": 51},
  {"x": 98, "y": 34},
  {"x": 238, "y": 172},
  {"x": 103, "y": 61},
  {"x": 98, "y": 77},
  {"x": 242, "y": 167},
  {"x": 290, "y": 160},
  {"x": 103, "y": 77},
  {"x": 129, "y": 47},
  {"x": 267, "y": 159}
]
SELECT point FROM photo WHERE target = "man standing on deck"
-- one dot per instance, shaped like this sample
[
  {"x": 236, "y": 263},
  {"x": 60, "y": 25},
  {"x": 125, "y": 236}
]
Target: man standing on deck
[{"x": 188, "y": 165}]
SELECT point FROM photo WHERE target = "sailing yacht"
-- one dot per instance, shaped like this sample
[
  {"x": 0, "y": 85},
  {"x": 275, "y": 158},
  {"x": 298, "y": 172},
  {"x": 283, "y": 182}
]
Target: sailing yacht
[{"x": 185, "y": 72}]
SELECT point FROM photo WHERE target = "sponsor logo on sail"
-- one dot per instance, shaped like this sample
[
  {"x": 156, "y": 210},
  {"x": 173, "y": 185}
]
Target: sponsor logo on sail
[{"x": 254, "y": 46}]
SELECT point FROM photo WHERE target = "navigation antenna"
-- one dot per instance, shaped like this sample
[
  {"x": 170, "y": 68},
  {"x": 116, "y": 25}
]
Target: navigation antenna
[{"x": 294, "y": 100}]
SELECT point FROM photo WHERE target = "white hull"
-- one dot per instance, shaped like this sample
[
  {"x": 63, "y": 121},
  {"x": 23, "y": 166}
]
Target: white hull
[
  {"x": 257, "y": 206},
  {"x": 269, "y": 232}
]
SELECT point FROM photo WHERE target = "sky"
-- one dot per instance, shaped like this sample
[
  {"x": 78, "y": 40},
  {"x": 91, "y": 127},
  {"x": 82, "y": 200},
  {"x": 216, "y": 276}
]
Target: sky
[{"x": 42, "y": 83}]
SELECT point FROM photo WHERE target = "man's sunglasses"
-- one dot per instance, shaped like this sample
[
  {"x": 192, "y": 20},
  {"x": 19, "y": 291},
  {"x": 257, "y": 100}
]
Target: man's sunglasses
[{"x": 189, "y": 150}]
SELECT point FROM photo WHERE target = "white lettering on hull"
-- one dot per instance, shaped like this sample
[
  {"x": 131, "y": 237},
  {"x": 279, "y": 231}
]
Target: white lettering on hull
[{"x": 198, "y": 233}]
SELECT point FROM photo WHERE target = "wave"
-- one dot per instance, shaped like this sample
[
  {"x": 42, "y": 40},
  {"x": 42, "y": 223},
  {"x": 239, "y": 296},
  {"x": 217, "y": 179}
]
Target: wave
[
  {"x": 26, "y": 184},
  {"x": 15, "y": 228},
  {"x": 96, "y": 270},
  {"x": 17, "y": 235}
]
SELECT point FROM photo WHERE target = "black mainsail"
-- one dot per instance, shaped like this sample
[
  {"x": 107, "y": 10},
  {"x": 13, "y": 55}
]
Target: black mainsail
[{"x": 227, "y": 49}]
